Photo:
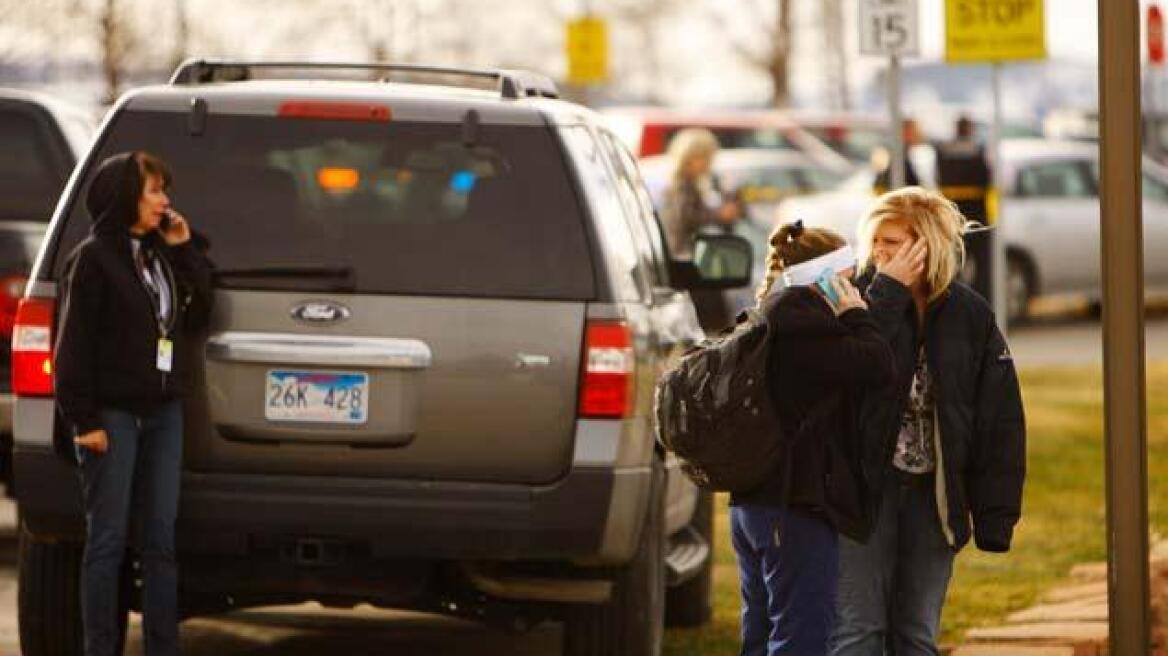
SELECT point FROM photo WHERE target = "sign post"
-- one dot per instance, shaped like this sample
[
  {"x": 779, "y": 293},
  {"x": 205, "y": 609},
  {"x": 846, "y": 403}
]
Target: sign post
[
  {"x": 995, "y": 32},
  {"x": 891, "y": 28},
  {"x": 1124, "y": 381}
]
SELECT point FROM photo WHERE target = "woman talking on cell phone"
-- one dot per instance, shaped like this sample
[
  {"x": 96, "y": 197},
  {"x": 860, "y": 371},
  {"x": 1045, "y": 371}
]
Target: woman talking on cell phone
[
  {"x": 135, "y": 288},
  {"x": 826, "y": 354},
  {"x": 946, "y": 442}
]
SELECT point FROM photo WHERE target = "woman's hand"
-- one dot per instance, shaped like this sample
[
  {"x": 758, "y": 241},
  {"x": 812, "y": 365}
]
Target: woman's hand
[
  {"x": 179, "y": 231},
  {"x": 729, "y": 212},
  {"x": 849, "y": 296},
  {"x": 907, "y": 265},
  {"x": 96, "y": 441}
]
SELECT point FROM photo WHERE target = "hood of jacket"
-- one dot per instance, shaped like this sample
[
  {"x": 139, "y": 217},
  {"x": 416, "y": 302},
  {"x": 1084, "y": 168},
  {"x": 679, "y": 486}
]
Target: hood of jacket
[{"x": 112, "y": 199}]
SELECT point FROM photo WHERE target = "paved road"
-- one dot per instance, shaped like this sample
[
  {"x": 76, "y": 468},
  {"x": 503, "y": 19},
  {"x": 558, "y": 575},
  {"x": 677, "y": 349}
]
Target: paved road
[
  {"x": 1074, "y": 343},
  {"x": 310, "y": 630}
]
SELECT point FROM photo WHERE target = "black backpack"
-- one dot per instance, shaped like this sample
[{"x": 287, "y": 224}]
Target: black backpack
[{"x": 715, "y": 410}]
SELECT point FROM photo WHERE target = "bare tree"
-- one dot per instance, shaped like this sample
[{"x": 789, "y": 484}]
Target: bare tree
[
  {"x": 644, "y": 18},
  {"x": 117, "y": 41},
  {"x": 773, "y": 56},
  {"x": 109, "y": 24},
  {"x": 835, "y": 61}
]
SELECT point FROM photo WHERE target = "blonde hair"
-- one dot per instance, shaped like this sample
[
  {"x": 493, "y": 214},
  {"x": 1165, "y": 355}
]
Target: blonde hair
[
  {"x": 792, "y": 244},
  {"x": 929, "y": 216},
  {"x": 687, "y": 144}
]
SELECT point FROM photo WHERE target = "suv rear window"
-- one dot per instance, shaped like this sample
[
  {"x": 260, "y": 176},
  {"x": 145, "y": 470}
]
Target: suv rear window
[
  {"x": 30, "y": 177},
  {"x": 401, "y": 207}
]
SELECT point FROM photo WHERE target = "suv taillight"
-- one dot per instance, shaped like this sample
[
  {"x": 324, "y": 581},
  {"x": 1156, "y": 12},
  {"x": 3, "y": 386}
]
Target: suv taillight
[
  {"x": 11, "y": 289},
  {"x": 32, "y": 348},
  {"x": 609, "y": 366}
]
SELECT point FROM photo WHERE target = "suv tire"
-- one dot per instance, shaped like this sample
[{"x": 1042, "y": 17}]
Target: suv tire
[
  {"x": 49, "y": 597},
  {"x": 632, "y": 623},
  {"x": 689, "y": 605}
]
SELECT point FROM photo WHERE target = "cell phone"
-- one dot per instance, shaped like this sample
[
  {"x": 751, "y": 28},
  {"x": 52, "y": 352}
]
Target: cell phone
[
  {"x": 165, "y": 223},
  {"x": 825, "y": 286}
]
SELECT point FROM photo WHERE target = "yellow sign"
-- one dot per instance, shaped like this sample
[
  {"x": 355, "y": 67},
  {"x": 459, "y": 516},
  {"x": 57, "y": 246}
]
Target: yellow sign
[
  {"x": 587, "y": 50},
  {"x": 994, "y": 30}
]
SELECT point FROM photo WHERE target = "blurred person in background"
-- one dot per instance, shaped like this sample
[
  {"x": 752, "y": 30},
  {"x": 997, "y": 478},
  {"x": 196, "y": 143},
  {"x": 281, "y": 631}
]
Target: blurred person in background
[
  {"x": 882, "y": 159},
  {"x": 965, "y": 177},
  {"x": 826, "y": 353},
  {"x": 694, "y": 199},
  {"x": 947, "y": 440}
]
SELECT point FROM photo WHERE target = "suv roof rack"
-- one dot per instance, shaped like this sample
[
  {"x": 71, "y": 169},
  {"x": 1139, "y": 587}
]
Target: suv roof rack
[{"x": 513, "y": 84}]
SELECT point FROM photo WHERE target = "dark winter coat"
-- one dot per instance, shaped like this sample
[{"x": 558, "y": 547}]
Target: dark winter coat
[
  {"x": 107, "y": 346},
  {"x": 982, "y": 442},
  {"x": 821, "y": 366}
]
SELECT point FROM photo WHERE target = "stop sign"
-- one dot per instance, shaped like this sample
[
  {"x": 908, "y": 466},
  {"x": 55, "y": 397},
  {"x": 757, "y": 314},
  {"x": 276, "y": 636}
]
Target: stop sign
[{"x": 1155, "y": 35}]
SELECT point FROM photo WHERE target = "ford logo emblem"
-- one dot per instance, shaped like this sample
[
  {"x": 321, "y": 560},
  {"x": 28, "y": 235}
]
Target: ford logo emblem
[{"x": 321, "y": 312}]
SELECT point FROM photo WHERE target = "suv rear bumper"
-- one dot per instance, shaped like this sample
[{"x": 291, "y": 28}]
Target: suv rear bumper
[{"x": 588, "y": 515}]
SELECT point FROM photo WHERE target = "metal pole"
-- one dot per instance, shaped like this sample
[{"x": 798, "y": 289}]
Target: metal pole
[
  {"x": 896, "y": 180},
  {"x": 1121, "y": 226},
  {"x": 997, "y": 235}
]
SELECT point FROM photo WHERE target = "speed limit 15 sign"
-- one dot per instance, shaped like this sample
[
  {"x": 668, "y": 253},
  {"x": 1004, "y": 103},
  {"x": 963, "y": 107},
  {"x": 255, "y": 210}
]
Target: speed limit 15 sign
[{"x": 889, "y": 27}]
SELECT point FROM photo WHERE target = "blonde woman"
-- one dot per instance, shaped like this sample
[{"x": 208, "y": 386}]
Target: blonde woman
[
  {"x": 693, "y": 198},
  {"x": 827, "y": 352},
  {"x": 946, "y": 443}
]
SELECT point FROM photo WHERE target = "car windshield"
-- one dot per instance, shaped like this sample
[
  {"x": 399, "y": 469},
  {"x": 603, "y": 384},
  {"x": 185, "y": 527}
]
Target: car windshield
[
  {"x": 742, "y": 137},
  {"x": 402, "y": 207},
  {"x": 770, "y": 184},
  {"x": 30, "y": 180}
]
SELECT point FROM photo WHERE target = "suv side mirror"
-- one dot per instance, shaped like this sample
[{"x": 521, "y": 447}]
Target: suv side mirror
[{"x": 719, "y": 262}]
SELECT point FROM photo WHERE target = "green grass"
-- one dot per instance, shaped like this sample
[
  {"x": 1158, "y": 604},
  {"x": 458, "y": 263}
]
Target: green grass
[{"x": 1063, "y": 512}]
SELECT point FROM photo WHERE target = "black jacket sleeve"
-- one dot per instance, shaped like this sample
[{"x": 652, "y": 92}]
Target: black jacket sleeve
[
  {"x": 75, "y": 362},
  {"x": 194, "y": 270},
  {"x": 888, "y": 300},
  {"x": 998, "y": 466},
  {"x": 859, "y": 357}
]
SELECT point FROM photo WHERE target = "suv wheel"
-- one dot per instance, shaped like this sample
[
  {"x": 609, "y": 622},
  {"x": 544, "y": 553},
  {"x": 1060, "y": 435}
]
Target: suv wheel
[
  {"x": 633, "y": 621},
  {"x": 49, "y": 597},
  {"x": 688, "y": 605}
]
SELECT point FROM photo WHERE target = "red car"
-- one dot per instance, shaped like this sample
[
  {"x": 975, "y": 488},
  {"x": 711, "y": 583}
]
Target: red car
[{"x": 648, "y": 130}]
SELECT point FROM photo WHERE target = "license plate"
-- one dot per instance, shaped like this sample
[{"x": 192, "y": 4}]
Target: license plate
[{"x": 317, "y": 397}]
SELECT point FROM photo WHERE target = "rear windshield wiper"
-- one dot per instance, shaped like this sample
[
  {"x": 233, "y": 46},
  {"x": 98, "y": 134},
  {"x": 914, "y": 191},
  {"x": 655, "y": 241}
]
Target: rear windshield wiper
[{"x": 287, "y": 272}]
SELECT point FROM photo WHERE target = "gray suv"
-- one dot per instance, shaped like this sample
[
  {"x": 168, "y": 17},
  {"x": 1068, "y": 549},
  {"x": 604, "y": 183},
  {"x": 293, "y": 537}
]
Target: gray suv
[{"x": 427, "y": 384}]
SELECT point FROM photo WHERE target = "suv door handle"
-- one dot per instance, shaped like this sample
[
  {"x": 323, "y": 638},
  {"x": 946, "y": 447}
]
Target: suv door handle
[{"x": 319, "y": 350}]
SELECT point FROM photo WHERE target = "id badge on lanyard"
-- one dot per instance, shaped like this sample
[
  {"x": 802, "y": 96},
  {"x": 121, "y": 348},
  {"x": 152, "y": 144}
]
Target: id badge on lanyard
[{"x": 165, "y": 354}]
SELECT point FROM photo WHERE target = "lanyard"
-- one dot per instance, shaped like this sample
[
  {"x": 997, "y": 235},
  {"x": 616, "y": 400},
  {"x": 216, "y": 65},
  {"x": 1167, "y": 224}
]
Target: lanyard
[{"x": 154, "y": 289}]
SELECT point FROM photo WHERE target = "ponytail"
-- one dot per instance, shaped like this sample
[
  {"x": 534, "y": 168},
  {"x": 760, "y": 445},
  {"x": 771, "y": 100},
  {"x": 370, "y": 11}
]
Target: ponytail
[{"x": 791, "y": 244}]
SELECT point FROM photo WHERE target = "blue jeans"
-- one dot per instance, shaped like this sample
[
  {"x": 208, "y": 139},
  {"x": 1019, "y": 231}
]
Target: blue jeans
[
  {"x": 141, "y": 468},
  {"x": 788, "y": 564},
  {"x": 892, "y": 589}
]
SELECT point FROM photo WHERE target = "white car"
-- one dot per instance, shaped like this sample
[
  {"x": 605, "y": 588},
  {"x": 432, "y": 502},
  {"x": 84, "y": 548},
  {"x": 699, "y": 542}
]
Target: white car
[{"x": 1049, "y": 209}]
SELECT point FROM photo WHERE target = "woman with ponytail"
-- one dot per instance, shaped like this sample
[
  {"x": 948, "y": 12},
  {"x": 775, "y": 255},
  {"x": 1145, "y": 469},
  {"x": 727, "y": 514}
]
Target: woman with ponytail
[{"x": 827, "y": 352}]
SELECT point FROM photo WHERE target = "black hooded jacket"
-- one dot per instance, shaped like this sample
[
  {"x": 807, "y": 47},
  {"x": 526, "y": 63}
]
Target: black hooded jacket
[
  {"x": 982, "y": 428},
  {"x": 107, "y": 346},
  {"x": 821, "y": 366}
]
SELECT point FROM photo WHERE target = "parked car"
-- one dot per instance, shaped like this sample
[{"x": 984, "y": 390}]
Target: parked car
[
  {"x": 760, "y": 178},
  {"x": 427, "y": 384},
  {"x": 851, "y": 134},
  {"x": 648, "y": 130},
  {"x": 1049, "y": 207},
  {"x": 42, "y": 140}
]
